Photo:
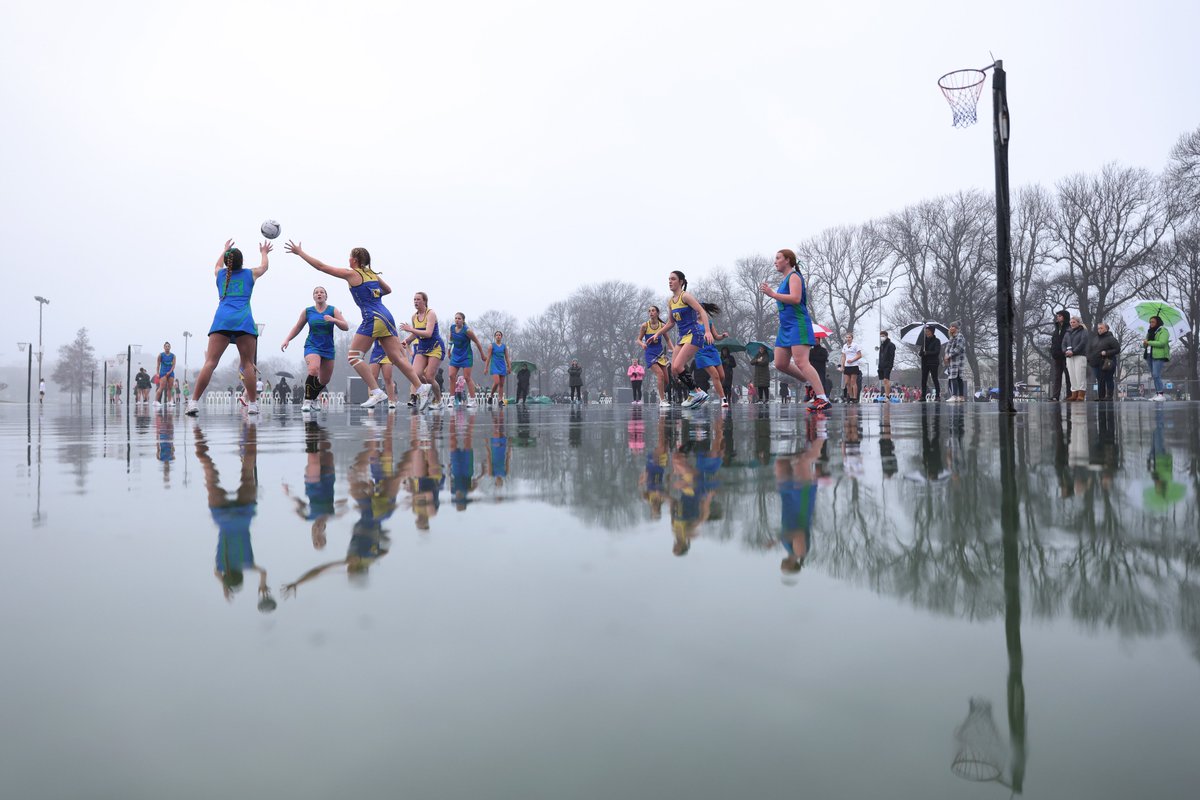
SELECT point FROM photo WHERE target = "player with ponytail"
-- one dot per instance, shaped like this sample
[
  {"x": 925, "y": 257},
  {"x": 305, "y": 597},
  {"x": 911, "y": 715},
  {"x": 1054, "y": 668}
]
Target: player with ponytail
[
  {"x": 320, "y": 318},
  {"x": 233, "y": 322},
  {"x": 690, "y": 316},
  {"x": 796, "y": 336}
]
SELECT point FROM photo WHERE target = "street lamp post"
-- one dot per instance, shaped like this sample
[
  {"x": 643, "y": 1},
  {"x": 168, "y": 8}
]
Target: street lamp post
[
  {"x": 42, "y": 302},
  {"x": 130, "y": 349},
  {"x": 28, "y": 346},
  {"x": 186, "y": 335}
]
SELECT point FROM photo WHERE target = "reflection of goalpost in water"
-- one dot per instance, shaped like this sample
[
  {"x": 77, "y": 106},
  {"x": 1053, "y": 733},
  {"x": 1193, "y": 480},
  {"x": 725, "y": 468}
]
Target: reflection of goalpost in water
[{"x": 961, "y": 89}]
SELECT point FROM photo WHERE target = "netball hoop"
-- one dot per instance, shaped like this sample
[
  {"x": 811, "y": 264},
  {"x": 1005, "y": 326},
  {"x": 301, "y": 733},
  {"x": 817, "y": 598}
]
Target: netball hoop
[{"x": 962, "y": 88}]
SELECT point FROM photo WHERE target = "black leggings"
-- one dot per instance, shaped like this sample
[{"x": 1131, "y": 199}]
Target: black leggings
[
  {"x": 577, "y": 393},
  {"x": 637, "y": 391},
  {"x": 931, "y": 371}
]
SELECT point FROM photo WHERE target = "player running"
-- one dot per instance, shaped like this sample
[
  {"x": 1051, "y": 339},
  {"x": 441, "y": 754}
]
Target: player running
[
  {"x": 795, "y": 337},
  {"x": 320, "y": 318}
]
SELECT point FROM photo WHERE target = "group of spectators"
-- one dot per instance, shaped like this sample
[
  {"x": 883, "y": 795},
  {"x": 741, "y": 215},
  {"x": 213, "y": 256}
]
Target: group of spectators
[{"x": 1074, "y": 350}]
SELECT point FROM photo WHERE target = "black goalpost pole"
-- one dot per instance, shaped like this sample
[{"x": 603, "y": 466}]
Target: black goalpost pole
[{"x": 1004, "y": 294}]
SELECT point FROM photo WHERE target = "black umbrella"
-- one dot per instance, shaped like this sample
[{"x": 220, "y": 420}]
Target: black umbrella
[
  {"x": 285, "y": 375},
  {"x": 912, "y": 332}
]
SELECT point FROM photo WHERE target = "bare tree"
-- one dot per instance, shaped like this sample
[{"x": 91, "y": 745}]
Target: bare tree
[
  {"x": 543, "y": 340},
  {"x": 1107, "y": 228},
  {"x": 854, "y": 269},
  {"x": 1184, "y": 167},
  {"x": 602, "y": 321},
  {"x": 76, "y": 365},
  {"x": 1033, "y": 266},
  {"x": 760, "y": 315}
]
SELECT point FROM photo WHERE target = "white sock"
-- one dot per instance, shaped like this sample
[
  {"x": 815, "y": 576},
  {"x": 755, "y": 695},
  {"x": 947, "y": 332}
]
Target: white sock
[{"x": 822, "y": 397}]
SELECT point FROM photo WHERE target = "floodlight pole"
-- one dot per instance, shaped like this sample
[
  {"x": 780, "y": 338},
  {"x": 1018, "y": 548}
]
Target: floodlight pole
[{"x": 1004, "y": 292}]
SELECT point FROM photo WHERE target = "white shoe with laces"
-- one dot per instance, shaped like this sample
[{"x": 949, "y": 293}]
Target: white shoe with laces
[
  {"x": 375, "y": 398},
  {"x": 424, "y": 395},
  {"x": 252, "y": 408},
  {"x": 193, "y": 410}
]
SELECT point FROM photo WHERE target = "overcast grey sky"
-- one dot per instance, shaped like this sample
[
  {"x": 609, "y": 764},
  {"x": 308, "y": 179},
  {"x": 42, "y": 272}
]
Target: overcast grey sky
[{"x": 497, "y": 154}]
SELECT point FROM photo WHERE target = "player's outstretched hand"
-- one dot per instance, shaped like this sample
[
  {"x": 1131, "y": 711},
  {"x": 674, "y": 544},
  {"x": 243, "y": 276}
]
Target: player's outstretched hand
[
  {"x": 265, "y": 248},
  {"x": 294, "y": 248}
]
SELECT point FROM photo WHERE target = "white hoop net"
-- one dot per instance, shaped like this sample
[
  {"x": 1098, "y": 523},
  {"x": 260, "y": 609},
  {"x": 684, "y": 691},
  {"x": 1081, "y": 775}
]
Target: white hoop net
[
  {"x": 961, "y": 89},
  {"x": 981, "y": 754}
]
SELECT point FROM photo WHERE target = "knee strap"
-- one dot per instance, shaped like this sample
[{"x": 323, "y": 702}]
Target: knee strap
[{"x": 355, "y": 357}]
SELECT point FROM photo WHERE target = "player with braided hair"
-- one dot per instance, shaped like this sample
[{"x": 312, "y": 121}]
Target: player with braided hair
[{"x": 233, "y": 322}]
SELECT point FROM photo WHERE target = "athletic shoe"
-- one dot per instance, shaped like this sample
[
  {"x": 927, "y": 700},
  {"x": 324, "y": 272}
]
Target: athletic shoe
[
  {"x": 157, "y": 404},
  {"x": 252, "y": 408},
  {"x": 470, "y": 402},
  {"x": 819, "y": 405},
  {"x": 375, "y": 398},
  {"x": 1158, "y": 398},
  {"x": 695, "y": 399},
  {"x": 193, "y": 410},
  {"x": 724, "y": 402},
  {"x": 664, "y": 404},
  {"x": 306, "y": 407},
  {"x": 424, "y": 395},
  {"x": 391, "y": 406}
]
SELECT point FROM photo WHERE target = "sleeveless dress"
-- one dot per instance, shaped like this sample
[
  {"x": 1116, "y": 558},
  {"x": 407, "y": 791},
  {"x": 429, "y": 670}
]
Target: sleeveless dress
[
  {"x": 166, "y": 365},
  {"x": 795, "y": 325},
  {"x": 433, "y": 347},
  {"x": 655, "y": 353},
  {"x": 498, "y": 365},
  {"x": 460, "y": 347},
  {"x": 377, "y": 321},
  {"x": 320, "y": 333},
  {"x": 690, "y": 331},
  {"x": 233, "y": 317}
]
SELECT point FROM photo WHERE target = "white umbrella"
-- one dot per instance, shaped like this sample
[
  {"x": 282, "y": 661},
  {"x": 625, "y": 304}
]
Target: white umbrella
[
  {"x": 913, "y": 331},
  {"x": 1137, "y": 314}
]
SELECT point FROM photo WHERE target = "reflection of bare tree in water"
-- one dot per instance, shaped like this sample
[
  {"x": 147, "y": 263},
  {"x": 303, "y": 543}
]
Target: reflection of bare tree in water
[{"x": 76, "y": 447}]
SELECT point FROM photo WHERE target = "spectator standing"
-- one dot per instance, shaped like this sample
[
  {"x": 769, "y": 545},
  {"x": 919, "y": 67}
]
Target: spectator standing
[
  {"x": 41, "y": 388},
  {"x": 637, "y": 374},
  {"x": 1058, "y": 359},
  {"x": 523, "y": 384},
  {"x": 851, "y": 366},
  {"x": 930, "y": 351},
  {"x": 575, "y": 381},
  {"x": 728, "y": 363},
  {"x": 762, "y": 374},
  {"x": 1103, "y": 353},
  {"x": 818, "y": 356},
  {"x": 887, "y": 360},
  {"x": 1157, "y": 352},
  {"x": 1075, "y": 344},
  {"x": 141, "y": 386},
  {"x": 955, "y": 360}
]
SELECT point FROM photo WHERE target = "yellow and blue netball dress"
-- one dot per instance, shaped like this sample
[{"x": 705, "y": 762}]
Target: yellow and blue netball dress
[
  {"x": 378, "y": 356},
  {"x": 233, "y": 317},
  {"x": 655, "y": 353},
  {"x": 690, "y": 329},
  {"x": 498, "y": 366},
  {"x": 795, "y": 325},
  {"x": 460, "y": 347},
  {"x": 377, "y": 321},
  {"x": 320, "y": 333},
  {"x": 166, "y": 366},
  {"x": 433, "y": 347}
]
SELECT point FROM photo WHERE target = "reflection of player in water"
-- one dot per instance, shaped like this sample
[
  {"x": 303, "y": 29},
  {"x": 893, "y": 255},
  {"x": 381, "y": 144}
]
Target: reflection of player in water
[
  {"x": 796, "y": 480},
  {"x": 234, "y": 552},
  {"x": 695, "y": 483},
  {"x": 374, "y": 485},
  {"x": 319, "y": 481},
  {"x": 498, "y": 453},
  {"x": 164, "y": 431},
  {"x": 463, "y": 479},
  {"x": 653, "y": 479},
  {"x": 424, "y": 479}
]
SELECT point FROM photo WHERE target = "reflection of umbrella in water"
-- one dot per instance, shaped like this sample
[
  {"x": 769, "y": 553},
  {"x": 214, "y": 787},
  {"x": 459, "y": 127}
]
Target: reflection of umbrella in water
[
  {"x": 285, "y": 375},
  {"x": 913, "y": 331},
  {"x": 517, "y": 365},
  {"x": 1161, "y": 496}
]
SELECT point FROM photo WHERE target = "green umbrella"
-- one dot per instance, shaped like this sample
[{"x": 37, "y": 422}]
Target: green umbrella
[
  {"x": 516, "y": 366},
  {"x": 1161, "y": 497},
  {"x": 752, "y": 348},
  {"x": 1138, "y": 313},
  {"x": 734, "y": 345}
]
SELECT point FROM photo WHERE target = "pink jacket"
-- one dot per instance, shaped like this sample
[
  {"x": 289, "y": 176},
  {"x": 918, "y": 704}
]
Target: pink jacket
[{"x": 636, "y": 372}]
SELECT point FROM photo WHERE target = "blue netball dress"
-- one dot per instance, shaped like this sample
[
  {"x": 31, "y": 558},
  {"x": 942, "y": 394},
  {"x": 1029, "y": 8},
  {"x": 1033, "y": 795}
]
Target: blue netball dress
[
  {"x": 795, "y": 325},
  {"x": 655, "y": 354},
  {"x": 690, "y": 329},
  {"x": 797, "y": 500},
  {"x": 498, "y": 366},
  {"x": 233, "y": 317},
  {"x": 320, "y": 332},
  {"x": 462, "y": 471},
  {"x": 499, "y": 446},
  {"x": 378, "y": 356},
  {"x": 377, "y": 321},
  {"x": 707, "y": 355},
  {"x": 234, "y": 551},
  {"x": 460, "y": 347},
  {"x": 433, "y": 347},
  {"x": 166, "y": 365}
]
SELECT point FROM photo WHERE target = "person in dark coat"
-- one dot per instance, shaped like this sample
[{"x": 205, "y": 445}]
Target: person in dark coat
[
  {"x": 1103, "y": 353},
  {"x": 930, "y": 351},
  {"x": 1058, "y": 359},
  {"x": 575, "y": 381},
  {"x": 522, "y": 384},
  {"x": 728, "y": 363},
  {"x": 818, "y": 356},
  {"x": 762, "y": 374},
  {"x": 887, "y": 360}
]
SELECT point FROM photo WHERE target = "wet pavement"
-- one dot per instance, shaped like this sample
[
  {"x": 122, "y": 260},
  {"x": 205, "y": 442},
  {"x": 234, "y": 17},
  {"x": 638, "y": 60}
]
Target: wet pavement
[{"x": 903, "y": 601}]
